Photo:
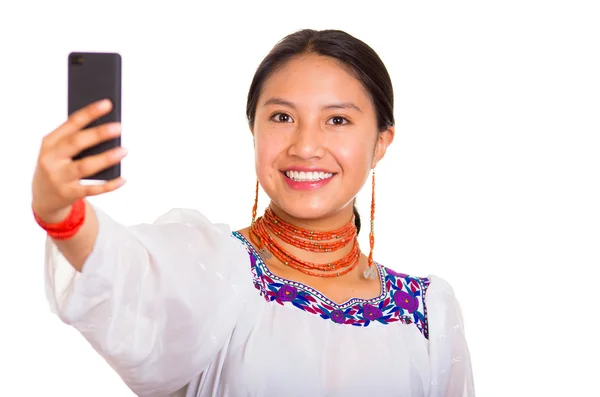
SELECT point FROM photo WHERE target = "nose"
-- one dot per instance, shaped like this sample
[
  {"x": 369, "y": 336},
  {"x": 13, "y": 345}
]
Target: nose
[{"x": 307, "y": 142}]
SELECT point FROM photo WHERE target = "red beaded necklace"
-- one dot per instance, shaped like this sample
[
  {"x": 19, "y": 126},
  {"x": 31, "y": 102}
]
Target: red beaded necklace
[{"x": 265, "y": 227}]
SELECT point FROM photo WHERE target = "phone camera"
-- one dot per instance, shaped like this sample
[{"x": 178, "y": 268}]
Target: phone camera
[{"x": 76, "y": 60}]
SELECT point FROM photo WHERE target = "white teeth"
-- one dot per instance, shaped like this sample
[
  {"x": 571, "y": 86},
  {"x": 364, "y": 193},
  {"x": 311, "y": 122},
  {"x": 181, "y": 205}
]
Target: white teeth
[{"x": 302, "y": 176}]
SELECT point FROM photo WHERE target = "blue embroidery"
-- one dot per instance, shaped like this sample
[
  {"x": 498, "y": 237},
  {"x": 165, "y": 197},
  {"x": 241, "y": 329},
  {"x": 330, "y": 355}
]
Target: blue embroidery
[{"x": 402, "y": 298}]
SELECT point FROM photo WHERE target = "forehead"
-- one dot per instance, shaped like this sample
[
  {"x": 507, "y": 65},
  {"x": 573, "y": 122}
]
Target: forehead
[{"x": 314, "y": 80}]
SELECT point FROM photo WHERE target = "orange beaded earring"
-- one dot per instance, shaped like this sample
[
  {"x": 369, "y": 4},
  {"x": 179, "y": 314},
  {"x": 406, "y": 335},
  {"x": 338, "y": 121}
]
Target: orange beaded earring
[
  {"x": 255, "y": 204},
  {"x": 370, "y": 272}
]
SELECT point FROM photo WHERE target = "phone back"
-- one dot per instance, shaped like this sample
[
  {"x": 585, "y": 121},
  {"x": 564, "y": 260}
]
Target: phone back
[{"x": 92, "y": 77}]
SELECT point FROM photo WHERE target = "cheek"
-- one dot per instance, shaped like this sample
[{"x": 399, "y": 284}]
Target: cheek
[
  {"x": 354, "y": 156},
  {"x": 267, "y": 149}
]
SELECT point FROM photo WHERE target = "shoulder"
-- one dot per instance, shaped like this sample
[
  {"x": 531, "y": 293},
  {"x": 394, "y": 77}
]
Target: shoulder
[
  {"x": 186, "y": 216},
  {"x": 431, "y": 296},
  {"x": 439, "y": 286},
  {"x": 190, "y": 230},
  {"x": 442, "y": 303},
  {"x": 430, "y": 283},
  {"x": 407, "y": 293},
  {"x": 406, "y": 290},
  {"x": 193, "y": 221},
  {"x": 413, "y": 282}
]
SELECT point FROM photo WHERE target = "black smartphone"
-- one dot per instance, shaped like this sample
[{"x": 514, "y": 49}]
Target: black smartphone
[{"x": 94, "y": 76}]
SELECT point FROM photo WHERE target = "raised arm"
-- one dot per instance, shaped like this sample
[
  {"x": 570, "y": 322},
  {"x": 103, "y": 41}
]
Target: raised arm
[
  {"x": 157, "y": 301},
  {"x": 56, "y": 182}
]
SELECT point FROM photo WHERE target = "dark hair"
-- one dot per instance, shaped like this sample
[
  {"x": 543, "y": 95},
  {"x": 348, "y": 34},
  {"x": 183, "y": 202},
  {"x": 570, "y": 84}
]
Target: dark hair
[{"x": 351, "y": 53}]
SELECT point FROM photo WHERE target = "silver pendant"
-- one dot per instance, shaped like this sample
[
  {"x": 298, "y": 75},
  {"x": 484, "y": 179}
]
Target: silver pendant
[
  {"x": 265, "y": 253},
  {"x": 370, "y": 272}
]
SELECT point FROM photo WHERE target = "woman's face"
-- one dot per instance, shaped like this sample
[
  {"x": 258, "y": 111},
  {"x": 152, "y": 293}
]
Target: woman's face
[{"x": 315, "y": 137}]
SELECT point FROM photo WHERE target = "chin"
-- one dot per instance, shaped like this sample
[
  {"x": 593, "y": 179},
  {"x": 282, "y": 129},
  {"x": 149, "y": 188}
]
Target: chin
[
  {"x": 307, "y": 209},
  {"x": 309, "y": 203}
]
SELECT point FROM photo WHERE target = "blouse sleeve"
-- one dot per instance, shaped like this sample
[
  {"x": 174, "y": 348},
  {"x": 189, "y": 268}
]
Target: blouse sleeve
[
  {"x": 157, "y": 301},
  {"x": 450, "y": 362}
]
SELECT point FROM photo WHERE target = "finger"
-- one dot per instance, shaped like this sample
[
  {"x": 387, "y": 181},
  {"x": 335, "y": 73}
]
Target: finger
[
  {"x": 94, "y": 190},
  {"x": 78, "y": 120},
  {"x": 76, "y": 190},
  {"x": 73, "y": 144},
  {"x": 87, "y": 166}
]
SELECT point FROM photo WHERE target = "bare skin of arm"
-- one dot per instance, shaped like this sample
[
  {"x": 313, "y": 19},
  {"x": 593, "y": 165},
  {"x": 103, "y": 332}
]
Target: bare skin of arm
[{"x": 77, "y": 249}]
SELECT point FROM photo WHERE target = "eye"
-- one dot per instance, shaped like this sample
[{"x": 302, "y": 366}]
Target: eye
[
  {"x": 282, "y": 118},
  {"x": 338, "y": 120}
]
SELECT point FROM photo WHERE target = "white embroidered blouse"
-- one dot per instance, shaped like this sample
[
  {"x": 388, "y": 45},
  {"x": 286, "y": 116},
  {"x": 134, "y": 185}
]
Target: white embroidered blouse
[{"x": 185, "y": 307}]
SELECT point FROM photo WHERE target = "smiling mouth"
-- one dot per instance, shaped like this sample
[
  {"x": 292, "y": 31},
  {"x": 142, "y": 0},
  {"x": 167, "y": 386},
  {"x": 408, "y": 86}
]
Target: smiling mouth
[{"x": 308, "y": 176}]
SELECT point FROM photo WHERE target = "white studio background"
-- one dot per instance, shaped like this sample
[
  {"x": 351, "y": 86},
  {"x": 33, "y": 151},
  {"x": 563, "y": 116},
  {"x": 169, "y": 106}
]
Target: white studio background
[{"x": 492, "y": 181}]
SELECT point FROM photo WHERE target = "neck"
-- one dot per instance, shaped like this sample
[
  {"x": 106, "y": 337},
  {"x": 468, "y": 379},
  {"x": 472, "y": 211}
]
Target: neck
[{"x": 324, "y": 224}]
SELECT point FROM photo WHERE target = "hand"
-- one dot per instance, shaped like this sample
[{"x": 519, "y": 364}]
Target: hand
[{"x": 56, "y": 181}]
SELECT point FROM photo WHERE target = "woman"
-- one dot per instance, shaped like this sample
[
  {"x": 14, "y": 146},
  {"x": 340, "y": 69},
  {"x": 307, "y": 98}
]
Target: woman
[{"x": 288, "y": 305}]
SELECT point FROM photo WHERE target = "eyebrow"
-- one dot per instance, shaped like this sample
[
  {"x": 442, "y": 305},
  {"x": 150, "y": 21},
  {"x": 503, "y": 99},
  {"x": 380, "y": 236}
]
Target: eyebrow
[{"x": 339, "y": 105}]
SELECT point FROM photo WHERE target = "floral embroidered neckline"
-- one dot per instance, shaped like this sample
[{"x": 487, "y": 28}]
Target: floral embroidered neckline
[{"x": 401, "y": 298}]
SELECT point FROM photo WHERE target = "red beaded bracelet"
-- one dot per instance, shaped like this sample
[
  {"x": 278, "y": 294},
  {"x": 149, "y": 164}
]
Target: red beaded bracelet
[{"x": 68, "y": 227}]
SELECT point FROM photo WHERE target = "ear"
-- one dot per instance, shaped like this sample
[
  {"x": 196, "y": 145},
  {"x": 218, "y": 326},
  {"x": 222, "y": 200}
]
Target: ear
[
  {"x": 384, "y": 139},
  {"x": 253, "y": 137}
]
